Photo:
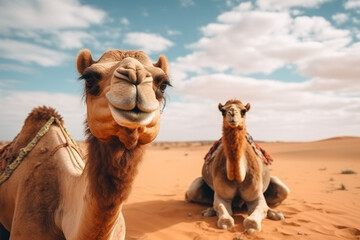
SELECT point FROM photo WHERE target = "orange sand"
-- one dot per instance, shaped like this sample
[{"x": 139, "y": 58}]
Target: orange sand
[
  {"x": 324, "y": 204},
  {"x": 318, "y": 207}
]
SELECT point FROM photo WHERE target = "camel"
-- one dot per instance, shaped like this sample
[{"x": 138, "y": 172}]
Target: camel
[
  {"x": 53, "y": 194},
  {"x": 234, "y": 173}
]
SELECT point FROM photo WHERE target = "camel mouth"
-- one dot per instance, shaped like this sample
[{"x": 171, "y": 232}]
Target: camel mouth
[
  {"x": 233, "y": 123},
  {"x": 131, "y": 118}
]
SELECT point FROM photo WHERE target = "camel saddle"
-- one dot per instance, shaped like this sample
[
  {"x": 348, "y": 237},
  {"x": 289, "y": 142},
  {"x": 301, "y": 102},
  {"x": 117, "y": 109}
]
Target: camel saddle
[{"x": 259, "y": 151}]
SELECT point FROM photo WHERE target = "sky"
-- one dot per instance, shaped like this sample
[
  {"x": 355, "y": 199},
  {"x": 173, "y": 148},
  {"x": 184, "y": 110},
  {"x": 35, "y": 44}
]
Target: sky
[{"x": 297, "y": 62}]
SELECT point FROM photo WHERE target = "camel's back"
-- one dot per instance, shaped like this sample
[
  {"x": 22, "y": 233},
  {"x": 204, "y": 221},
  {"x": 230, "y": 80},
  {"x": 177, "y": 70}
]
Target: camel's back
[{"x": 34, "y": 185}]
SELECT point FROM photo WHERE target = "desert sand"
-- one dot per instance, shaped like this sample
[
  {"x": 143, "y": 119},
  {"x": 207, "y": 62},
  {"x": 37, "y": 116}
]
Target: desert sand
[{"x": 324, "y": 202}]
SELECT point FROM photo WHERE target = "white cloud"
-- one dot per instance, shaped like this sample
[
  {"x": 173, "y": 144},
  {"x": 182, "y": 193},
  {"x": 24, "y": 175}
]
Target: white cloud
[
  {"x": 335, "y": 65},
  {"x": 280, "y": 111},
  {"x": 72, "y": 39},
  {"x": 17, "y": 105},
  {"x": 350, "y": 4},
  {"x": 340, "y": 18},
  {"x": 31, "y": 53},
  {"x": 148, "y": 42},
  {"x": 47, "y": 15},
  {"x": 58, "y": 24},
  {"x": 253, "y": 41},
  {"x": 280, "y": 4},
  {"x": 317, "y": 29},
  {"x": 250, "y": 40},
  {"x": 193, "y": 121}
]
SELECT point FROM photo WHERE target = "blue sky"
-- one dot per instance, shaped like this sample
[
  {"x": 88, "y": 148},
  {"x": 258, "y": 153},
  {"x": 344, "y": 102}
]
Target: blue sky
[{"x": 296, "y": 61}]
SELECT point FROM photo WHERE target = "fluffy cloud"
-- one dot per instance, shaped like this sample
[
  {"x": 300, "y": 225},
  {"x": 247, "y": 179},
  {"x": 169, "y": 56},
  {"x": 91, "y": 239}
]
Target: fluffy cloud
[
  {"x": 280, "y": 4},
  {"x": 350, "y": 4},
  {"x": 47, "y": 15},
  {"x": 340, "y": 18},
  {"x": 335, "y": 65},
  {"x": 248, "y": 40},
  {"x": 280, "y": 111},
  {"x": 17, "y": 106},
  {"x": 148, "y": 42},
  {"x": 72, "y": 39},
  {"x": 31, "y": 53},
  {"x": 55, "y": 24}
]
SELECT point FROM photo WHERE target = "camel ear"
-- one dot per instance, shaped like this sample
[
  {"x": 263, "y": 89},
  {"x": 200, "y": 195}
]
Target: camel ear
[
  {"x": 162, "y": 63},
  {"x": 247, "y": 107},
  {"x": 84, "y": 60},
  {"x": 220, "y": 106}
]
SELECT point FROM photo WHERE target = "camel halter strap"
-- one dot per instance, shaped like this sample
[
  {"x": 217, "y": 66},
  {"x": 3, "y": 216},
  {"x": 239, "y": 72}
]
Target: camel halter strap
[{"x": 31, "y": 145}]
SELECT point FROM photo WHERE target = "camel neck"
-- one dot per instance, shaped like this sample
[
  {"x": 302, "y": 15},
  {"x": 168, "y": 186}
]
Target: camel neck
[
  {"x": 234, "y": 142},
  {"x": 111, "y": 168},
  {"x": 109, "y": 172}
]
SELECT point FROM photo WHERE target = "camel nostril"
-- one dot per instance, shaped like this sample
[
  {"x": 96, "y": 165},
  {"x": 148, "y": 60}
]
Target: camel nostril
[{"x": 136, "y": 110}]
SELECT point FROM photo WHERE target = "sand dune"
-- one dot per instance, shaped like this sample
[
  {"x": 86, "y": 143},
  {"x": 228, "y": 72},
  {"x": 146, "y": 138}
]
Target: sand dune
[{"x": 323, "y": 204}]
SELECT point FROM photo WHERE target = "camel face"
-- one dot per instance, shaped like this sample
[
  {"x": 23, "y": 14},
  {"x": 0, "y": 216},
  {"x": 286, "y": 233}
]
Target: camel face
[
  {"x": 132, "y": 99},
  {"x": 234, "y": 113},
  {"x": 124, "y": 94}
]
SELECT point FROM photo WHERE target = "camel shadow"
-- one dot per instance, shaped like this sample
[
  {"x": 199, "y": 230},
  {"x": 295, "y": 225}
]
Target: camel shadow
[{"x": 151, "y": 216}]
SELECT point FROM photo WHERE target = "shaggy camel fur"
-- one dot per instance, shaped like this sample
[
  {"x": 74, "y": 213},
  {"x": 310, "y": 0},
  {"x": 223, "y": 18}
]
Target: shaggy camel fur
[
  {"x": 53, "y": 194},
  {"x": 235, "y": 171}
]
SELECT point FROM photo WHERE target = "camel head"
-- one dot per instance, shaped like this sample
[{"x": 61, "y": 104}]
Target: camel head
[
  {"x": 124, "y": 95},
  {"x": 234, "y": 113}
]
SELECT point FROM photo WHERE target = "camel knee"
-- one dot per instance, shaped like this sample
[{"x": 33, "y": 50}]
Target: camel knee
[
  {"x": 282, "y": 190},
  {"x": 276, "y": 192},
  {"x": 191, "y": 193},
  {"x": 199, "y": 192}
]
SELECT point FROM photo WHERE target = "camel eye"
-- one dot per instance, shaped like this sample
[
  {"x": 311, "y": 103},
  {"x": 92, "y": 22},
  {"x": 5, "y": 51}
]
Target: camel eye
[
  {"x": 92, "y": 79},
  {"x": 243, "y": 112},
  {"x": 163, "y": 86}
]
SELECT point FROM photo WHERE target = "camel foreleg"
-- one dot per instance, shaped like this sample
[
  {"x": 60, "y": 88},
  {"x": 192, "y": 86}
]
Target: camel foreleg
[
  {"x": 258, "y": 210},
  {"x": 223, "y": 210}
]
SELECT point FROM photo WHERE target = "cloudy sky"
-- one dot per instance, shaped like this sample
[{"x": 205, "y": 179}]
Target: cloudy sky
[{"x": 296, "y": 61}]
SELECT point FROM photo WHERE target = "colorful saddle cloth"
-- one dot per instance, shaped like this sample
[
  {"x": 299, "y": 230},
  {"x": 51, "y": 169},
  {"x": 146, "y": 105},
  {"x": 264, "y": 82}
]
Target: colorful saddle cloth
[{"x": 260, "y": 152}]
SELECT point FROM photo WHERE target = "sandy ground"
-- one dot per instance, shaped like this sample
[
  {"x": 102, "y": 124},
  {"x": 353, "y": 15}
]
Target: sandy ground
[{"x": 324, "y": 202}]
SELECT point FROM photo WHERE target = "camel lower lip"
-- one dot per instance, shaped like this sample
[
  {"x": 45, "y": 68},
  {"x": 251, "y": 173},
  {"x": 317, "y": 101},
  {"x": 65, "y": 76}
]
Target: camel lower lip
[{"x": 130, "y": 117}]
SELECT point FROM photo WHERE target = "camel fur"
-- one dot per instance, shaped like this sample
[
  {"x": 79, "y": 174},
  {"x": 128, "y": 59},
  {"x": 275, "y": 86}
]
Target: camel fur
[
  {"x": 236, "y": 172},
  {"x": 53, "y": 194}
]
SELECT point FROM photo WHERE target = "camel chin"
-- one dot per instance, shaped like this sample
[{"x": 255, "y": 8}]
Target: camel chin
[{"x": 131, "y": 118}]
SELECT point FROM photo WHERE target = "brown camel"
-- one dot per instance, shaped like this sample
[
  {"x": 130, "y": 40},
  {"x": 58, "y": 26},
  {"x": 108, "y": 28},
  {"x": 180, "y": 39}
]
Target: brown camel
[
  {"x": 52, "y": 194},
  {"x": 232, "y": 171}
]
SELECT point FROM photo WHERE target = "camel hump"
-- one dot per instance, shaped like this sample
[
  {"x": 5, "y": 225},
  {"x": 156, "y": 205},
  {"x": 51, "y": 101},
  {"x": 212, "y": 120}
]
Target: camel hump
[{"x": 41, "y": 115}]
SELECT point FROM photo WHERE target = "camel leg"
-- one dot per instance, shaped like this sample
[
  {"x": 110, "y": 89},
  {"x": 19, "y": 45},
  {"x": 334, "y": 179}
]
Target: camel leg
[
  {"x": 224, "y": 212},
  {"x": 276, "y": 192},
  {"x": 258, "y": 210},
  {"x": 200, "y": 192}
]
